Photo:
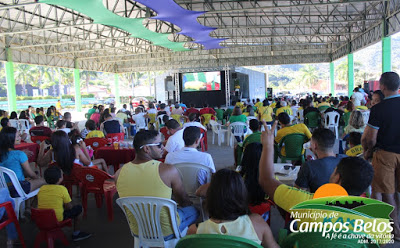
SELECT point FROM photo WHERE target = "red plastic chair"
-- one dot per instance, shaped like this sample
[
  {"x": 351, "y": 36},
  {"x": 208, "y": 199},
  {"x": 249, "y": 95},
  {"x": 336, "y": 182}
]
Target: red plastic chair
[
  {"x": 70, "y": 180},
  {"x": 116, "y": 137},
  {"x": 11, "y": 218},
  {"x": 96, "y": 143},
  {"x": 203, "y": 141},
  {"x": 164, "y": 131},
  {"x": 50, "y": 228},
  {"x": 95, "y": 181},
  {"x": 263, "y": 209},
  {"x": 39, "y": 139}
]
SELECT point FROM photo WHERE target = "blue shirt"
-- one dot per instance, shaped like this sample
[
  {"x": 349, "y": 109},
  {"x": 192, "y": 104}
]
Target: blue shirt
[
  {"x": 315, "y": 173},
  {"x": 13, "y": 161}
]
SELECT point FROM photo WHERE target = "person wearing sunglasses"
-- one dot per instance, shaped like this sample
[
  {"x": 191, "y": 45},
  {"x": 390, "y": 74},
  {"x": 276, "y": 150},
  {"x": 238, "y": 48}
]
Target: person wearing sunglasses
[{"x": 146, "y": 176}]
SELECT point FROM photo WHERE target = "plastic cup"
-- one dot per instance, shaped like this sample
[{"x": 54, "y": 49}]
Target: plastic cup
[{"x": 116, "y": 145}]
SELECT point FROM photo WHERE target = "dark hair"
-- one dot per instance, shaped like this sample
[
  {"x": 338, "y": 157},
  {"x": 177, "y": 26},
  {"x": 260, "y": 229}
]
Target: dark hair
[
  {"x": 144, "y": 137},
  {"x": 172, "y": 124},
  {"x": 165, "y": 118},
  {"x": 90, "y": 125},
  {"x": 151, "y": 105},
  {"x": 355, "y": 174},
  {"x": 60, "y": 123},
  {"x": 113, "y": 110},
  {"x": 162, "y": 106},
  {"x": 380, "y": 94},
  {"x": 2, "y": 112},
  {"x": 52, "y": 175},
  {"x": 39, "y": 119},
  {"x": 284, "y": 118},
  {"x": 265, "y": 103},
  {"x": 190, "y": 135},
  {"x": 227, "y": 196},
  {"x": 335, "y": 102},
  {"x": 48, "y": 113},
  {"x": 13, "y": 115},
  {"x": 4, "y": 122},
  {"x": 192, "y": 105},
  {"x": 23, "y": 114},
  {"x": 237, "y": 111},
  {"x": 254, "y": 125},
  {"x": 63, "y": 150},
  {"x": 107, "y": 116},
  {"x": 192, "y": 116},
  {"x": 250, "y": 162},
  {"x": 350, "y": 106},
  {"x": 294, "y": 102},
  {"x": 391, "y": 80},
  {"x": 7, "y": 140},
  {"x": 67, "y": 115},
  {"x": 124, "y": 106},
  {"x": 355, "y": 138},
  {"x": 325, "y": 138}
]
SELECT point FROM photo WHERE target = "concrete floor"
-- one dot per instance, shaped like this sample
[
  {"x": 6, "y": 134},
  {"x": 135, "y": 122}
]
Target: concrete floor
[{"x": 116, "y": 233}]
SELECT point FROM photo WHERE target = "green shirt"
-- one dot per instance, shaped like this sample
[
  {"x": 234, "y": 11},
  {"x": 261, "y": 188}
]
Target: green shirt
[
  {"x": 220, "y": 114},
  {"x": 238, "y": 118}
]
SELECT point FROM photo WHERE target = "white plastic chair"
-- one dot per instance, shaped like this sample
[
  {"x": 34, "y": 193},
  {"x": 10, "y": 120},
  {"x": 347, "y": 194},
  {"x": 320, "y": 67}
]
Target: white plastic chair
[
  {"x": 22, "y": 195},
  {"x": 24, "y": 125},
  {"x": 332, "y": 121},
  {"x": 300, "y": 115},
  {"x": 238, "y": 129},
  {"x": 365, "y": 115},
  {"x": 160, "y": 120},
  {"x": 217, "y": 129},
  {"x": 15, "y": 123},
  {"x": 188, "y": 172},
  {"x": 146, "y": 211},
  {"x": 249, "y": 118}
]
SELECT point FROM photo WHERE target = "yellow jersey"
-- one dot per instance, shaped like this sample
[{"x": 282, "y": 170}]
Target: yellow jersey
[
  {"x": 95, "y": 134},
  {"x": 355, "y": 151},
  {"x": 53, "y": 196},
  {"x": 265, "y": 113},
  {"x": 298, "y": 128},
  {"x": 286, "y": 109}
]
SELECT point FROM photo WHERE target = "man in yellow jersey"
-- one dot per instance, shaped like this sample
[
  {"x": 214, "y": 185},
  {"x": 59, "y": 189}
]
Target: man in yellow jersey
[
  {"x": 287, "y": 129},
  {"x": 352, "y": 173},
  {"x": 284, "y": 108},
  {"x": 146, "y": 176},
  {"x": 265, "y": 112}
]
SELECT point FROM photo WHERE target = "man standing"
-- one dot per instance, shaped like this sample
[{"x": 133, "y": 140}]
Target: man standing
[
  {"x": 145, "y": 176},
  {"x": 381, "y": 142},
  {"x": 190, "y": 154},
  {"x": 357, "y": 97}
]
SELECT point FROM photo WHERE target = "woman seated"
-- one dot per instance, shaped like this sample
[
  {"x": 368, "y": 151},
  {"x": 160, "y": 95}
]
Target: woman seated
[
  {"x": 227, "y": 206},
  {"x": 66, "y": 153},
  {"x": 13, "y": 116},
  {"x": 237, "y": 116},
  {"x": 356, "y": 123},
  {"x": 17, "y": 161}
]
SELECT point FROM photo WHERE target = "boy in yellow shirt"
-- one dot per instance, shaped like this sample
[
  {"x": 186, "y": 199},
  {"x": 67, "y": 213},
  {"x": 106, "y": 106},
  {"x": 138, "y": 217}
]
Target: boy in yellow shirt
[
  {"x": 355, "y": 145},
  {"x": 55, "y": 196},
  {"x": 93, "y": 133}
]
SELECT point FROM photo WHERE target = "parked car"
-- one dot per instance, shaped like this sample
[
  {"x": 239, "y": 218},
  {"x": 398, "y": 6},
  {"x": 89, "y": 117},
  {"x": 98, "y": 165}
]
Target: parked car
[
  {"x": 109, "y": 101},
  {"x": 136, "y": 101}
]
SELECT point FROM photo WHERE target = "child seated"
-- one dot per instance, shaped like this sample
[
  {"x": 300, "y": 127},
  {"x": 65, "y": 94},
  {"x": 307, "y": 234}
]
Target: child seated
[
  {"x": 55, "y": 196},
  {"x": 92, "y": 132},
  {"x": 355, "y": 145},
  {"x": 227, "y": 206}
]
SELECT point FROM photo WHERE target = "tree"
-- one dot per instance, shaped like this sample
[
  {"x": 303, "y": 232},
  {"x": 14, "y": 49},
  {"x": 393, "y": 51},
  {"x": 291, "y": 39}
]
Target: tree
[
  {"x": 134, "y": 78},
  {"x": 309, "y": 76},
  {"x": 23, "y": 75},
  {"x": 341, "y": 72},
  {"x": 66, "y": 77},
  {"x": 87, "y": 75}
]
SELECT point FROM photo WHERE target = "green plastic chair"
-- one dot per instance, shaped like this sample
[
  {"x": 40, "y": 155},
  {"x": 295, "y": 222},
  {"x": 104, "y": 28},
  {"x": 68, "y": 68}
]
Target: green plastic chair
[
  {"x": 315, "y": 240},
  {"x": 312, "y": 119},
  {"x": 323, "y": 108},
  {"x": 293, "y": 144},
  {"x": 215, "y": 241},
  {"x": 346, "y": 118}
]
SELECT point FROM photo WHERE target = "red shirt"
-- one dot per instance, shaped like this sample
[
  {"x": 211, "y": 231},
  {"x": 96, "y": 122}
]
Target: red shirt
[
  {"x": 207, "y": 111},
  {"x": 192, "y": 110},
  {"x": 40, "y": 131}
]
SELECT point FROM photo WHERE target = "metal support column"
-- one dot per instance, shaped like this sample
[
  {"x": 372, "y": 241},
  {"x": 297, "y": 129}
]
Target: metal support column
[
  {"x": 350, "y": 62},
  {"x": 386, "y": 54},
  {"x": 332, "y": 77},
  {"x": 227, "y": 87},
  {"x": 116, "y": 87},
  {"x": 11, "y": 91},
  {"x": 177, "y": 95},
  {"x": 77, "y": 82}
]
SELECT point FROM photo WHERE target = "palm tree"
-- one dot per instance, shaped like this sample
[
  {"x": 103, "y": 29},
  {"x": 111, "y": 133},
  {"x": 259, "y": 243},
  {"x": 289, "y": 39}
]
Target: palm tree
[
  {"x": 309, "y": 75},
  {"x": 134, "y": 78},
  {"x": 23, "y": 75},
  {"x": 342, "y": 72},
  {"x": 66, "y": 77},
  {"x": 88, "y": 75}
]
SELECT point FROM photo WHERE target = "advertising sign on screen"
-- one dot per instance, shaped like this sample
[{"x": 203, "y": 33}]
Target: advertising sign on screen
[{"x": 201, "y": 81}]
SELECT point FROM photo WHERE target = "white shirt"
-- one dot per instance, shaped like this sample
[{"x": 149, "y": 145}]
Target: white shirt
[
  {"x": 357, "y": 97},
  {"x": 66, "y": 130},
  {"x": 294, "y": 110},
  {"x": 152, "y": 111},
  {"x": 139, "y": 120},
  {"x": 175, "y": 142},
  {"x": 194, "y": 124},
  {"x": 192, "y": 155}
]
